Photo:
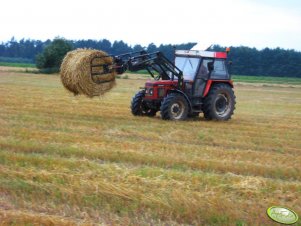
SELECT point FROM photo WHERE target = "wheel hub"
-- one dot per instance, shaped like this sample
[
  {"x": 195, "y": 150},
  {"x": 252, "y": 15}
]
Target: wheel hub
[
  {"x": 177, "y": 110},
  {"x": 222, "y": 105}
]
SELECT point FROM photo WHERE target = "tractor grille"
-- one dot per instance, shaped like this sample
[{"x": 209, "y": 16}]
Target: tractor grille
[{"x": 161, "y": 92}]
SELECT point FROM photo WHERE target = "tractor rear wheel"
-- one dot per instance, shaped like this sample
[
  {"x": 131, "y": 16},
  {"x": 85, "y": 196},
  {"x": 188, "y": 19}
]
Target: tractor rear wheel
[
  {"x": 219, "y": 104},
  {"x": 174, "y": 107},
  {"x": 139, "y": 107}
]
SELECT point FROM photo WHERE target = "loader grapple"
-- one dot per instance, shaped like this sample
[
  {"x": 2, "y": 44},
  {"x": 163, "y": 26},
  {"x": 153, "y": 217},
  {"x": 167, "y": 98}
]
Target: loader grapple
[{"x": 100, "y": 67}]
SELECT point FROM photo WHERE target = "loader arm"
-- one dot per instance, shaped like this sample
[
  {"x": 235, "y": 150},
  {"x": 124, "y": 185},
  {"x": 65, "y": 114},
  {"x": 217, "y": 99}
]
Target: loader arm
[{"x": 151, "y": 62}]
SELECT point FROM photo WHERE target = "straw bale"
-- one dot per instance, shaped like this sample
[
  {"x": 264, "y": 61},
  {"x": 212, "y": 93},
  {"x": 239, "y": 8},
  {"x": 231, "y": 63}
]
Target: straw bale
[{"x": 76, "y": 72}]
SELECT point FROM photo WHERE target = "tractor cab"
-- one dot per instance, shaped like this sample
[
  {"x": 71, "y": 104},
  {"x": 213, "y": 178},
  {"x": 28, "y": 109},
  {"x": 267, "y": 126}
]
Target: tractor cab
[{"x": 200, "y": 66}]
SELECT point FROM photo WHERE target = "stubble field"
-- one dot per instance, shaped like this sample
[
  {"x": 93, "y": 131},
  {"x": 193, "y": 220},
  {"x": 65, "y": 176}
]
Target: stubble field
[{"x": 68, "y": 160}]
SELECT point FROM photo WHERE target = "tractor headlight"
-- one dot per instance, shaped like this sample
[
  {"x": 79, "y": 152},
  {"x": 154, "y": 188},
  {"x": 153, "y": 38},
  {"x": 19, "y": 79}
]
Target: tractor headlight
[{"x": 149, "y": 91}]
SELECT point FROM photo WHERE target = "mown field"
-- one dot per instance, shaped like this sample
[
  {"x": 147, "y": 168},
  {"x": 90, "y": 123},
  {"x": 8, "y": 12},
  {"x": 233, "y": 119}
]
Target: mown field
[{"x": 68, "y": 160}]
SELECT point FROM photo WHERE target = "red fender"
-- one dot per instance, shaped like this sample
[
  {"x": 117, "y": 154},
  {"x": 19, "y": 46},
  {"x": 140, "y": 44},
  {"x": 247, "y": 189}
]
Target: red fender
[{"x": 210, "y": 82}]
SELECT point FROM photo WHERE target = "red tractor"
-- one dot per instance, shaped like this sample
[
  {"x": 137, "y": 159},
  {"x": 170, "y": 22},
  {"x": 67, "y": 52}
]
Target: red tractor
[{"x": 197, "y": 81}]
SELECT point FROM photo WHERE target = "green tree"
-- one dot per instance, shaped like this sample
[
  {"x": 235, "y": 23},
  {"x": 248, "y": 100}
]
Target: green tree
[{"x": 52, "y": 56}]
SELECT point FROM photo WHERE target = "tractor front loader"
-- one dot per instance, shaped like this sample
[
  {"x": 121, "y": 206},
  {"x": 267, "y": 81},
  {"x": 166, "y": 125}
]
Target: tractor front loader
[{"x": 197, "y": 81}]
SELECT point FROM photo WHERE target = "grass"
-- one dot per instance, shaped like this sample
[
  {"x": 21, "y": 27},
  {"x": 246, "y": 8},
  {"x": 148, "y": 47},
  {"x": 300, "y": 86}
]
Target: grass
[
  {"x": 68, "y": 160},
  {"x": 26, "y": 65},
  {"x": 266, "y": 79}
]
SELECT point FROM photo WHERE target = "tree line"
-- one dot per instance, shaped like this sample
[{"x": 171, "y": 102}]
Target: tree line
[
  {"x": 27, "y": 50},
  {"x": 246, "y": 61},
  {"x": 266, "y": 62}
]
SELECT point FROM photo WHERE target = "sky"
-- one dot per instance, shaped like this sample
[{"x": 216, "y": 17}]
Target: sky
[{"x": 253, "y": 23}]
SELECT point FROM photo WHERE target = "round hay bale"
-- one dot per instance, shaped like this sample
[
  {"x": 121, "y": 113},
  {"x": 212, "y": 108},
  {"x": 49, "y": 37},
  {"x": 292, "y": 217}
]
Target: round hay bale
[{"x": 76, "y": 72}]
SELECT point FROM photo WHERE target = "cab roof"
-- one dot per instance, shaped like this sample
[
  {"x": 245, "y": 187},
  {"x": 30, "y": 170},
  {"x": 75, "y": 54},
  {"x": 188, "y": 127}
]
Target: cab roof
[{"x": 201, "y": 53}]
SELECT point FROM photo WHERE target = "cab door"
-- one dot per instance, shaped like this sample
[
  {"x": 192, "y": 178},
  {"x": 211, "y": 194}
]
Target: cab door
[{"x": 201, "y": 78}]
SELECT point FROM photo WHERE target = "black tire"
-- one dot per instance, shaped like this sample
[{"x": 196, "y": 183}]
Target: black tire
[
  {"x": 139, "y": 107},
  {"x": 174, "y": 107},
  {"x": 220, "y": 102}
]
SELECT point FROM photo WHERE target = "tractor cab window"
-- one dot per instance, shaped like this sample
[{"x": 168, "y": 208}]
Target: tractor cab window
[
  {"x": 188, "y": 65},
  {"x": 219, "y": 70},
  {"x": 204, "y": 71}
]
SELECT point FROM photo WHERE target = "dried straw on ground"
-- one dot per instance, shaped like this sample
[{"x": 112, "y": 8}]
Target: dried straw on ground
[{"x": 76, "y": 73}]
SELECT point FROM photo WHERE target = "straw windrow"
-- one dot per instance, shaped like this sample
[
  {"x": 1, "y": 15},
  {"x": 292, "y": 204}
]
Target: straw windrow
[{"x": 76, "y": 73}]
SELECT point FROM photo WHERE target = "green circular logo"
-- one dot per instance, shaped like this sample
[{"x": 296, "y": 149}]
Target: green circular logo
[{"x": 282, "y": 215}]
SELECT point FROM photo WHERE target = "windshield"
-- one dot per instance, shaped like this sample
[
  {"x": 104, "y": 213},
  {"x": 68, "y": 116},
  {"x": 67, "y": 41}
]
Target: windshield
[{"x": 188, "y": 65}]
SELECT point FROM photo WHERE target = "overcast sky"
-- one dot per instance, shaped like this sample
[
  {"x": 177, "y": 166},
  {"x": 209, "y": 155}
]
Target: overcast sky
[{"x": 253, "y": 23}]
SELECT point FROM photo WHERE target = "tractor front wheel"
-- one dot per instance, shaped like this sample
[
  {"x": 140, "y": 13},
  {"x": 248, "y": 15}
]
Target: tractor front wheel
[
  {"x": 219, "y": 104},
  {"x": 139, "y": 107},
  {"x": 174, "y": 107}
]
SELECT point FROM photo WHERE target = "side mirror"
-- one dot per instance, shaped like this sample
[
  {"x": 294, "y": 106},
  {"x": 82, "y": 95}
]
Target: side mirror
[
  {"x": 210, "y": 66},
  {"x": 230, "y": 63}
]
